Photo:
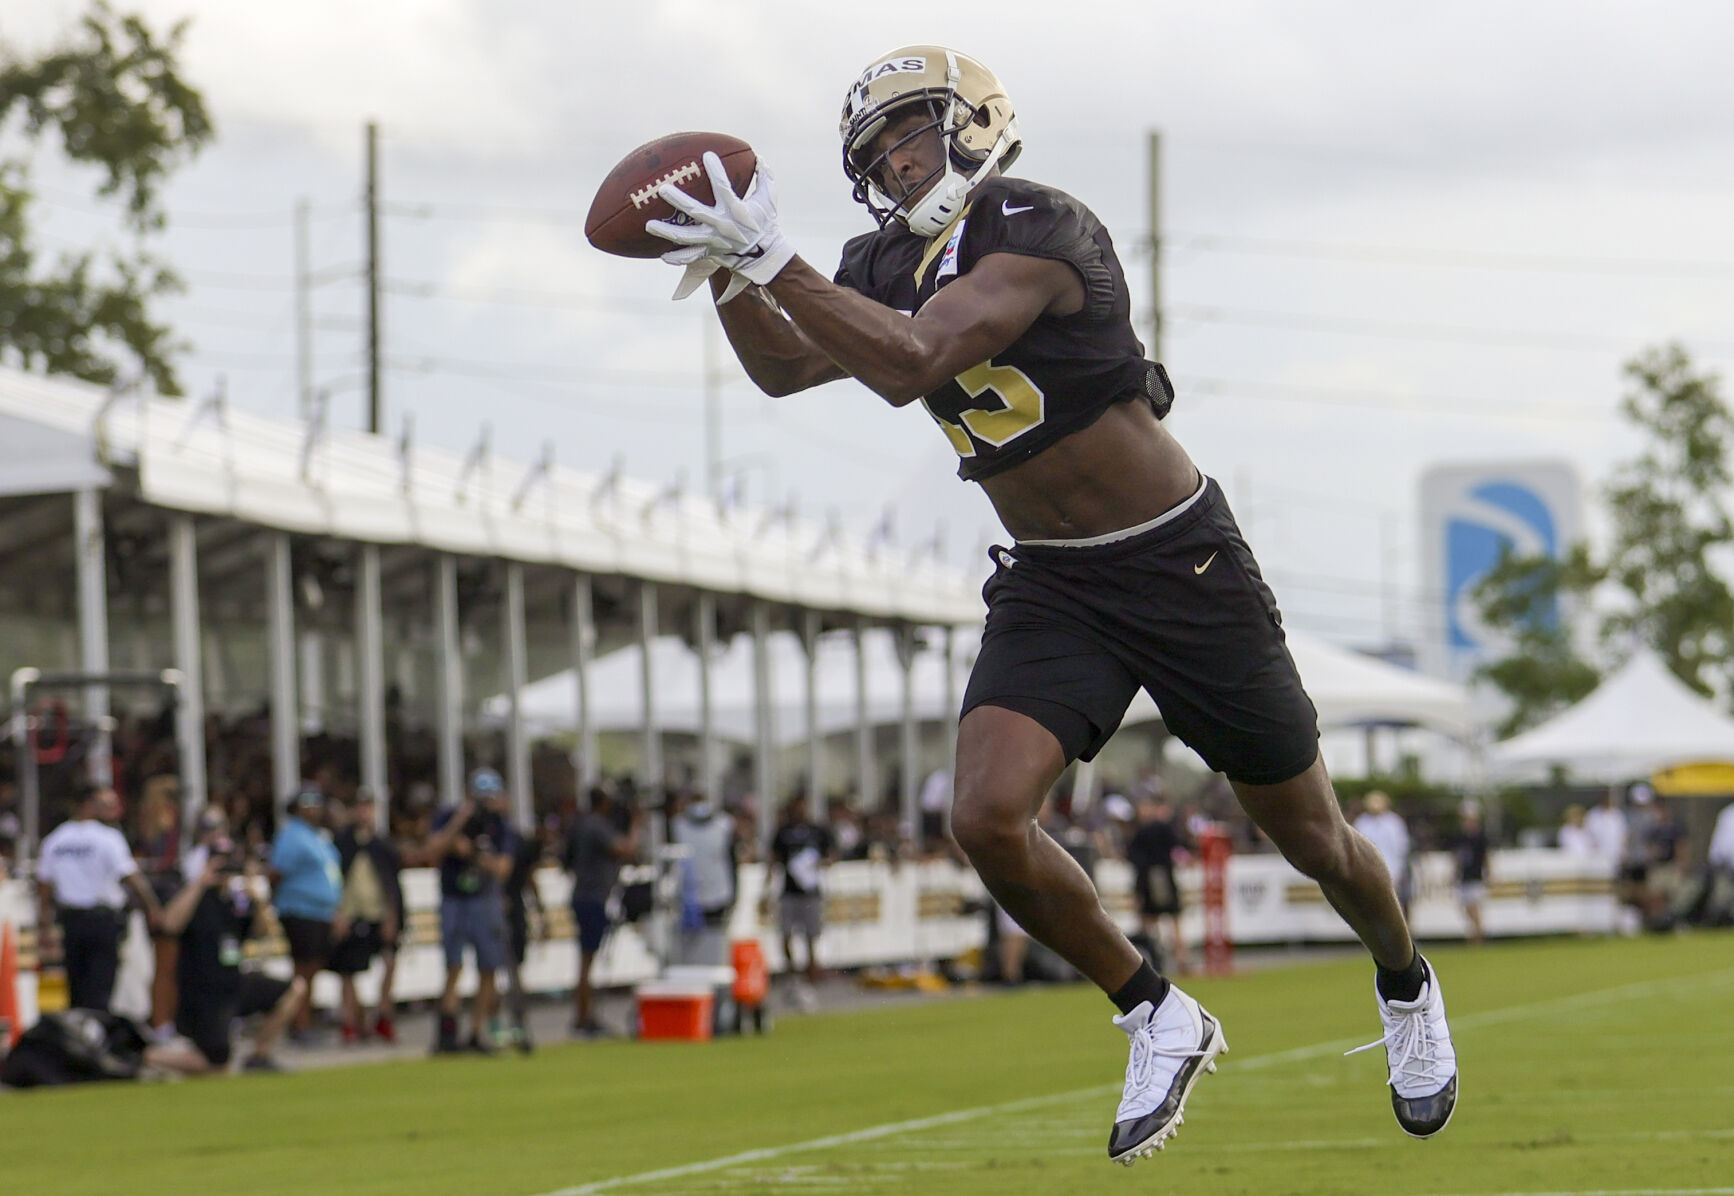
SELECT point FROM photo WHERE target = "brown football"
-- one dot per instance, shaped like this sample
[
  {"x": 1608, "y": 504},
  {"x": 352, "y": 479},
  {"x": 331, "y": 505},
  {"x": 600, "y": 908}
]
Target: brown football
[{"x": 627, "y": 197}]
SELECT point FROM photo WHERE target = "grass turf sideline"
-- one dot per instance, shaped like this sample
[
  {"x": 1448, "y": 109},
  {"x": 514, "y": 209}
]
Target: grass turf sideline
[{"x": 1605, "y": 1092}]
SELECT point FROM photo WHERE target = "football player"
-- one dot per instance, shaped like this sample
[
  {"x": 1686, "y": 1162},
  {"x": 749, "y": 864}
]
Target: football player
[{"x": 999, "y": 305}]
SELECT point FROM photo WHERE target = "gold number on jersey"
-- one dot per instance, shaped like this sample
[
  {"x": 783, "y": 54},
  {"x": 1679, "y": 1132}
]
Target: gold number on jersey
[{"x": 1024, "y": 406}]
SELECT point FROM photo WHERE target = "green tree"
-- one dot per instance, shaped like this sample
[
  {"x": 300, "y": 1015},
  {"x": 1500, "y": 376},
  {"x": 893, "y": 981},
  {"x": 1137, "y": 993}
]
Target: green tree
[
  {"x": 113, "y": 97},
  {"x": 1527, "y": 598},
  {"x": 1670, "y": 516},
  {"x": 1658, "y": 585}
]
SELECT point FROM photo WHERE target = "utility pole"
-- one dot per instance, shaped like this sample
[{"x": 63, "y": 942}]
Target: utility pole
[
  {"x": 712, "y": 412},
  {"x": 374, "y": 398},
  {"x": 1155, "y": 245},
  {"x": 303, "y": 312}
]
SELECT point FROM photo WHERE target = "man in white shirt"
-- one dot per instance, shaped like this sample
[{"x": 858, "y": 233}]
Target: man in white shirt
[
  {"x": 1387, "y": 831},
  {"x": 1574, "y": 838},
  {"x": 1722, "y": 840},
  {"x": 1606, "y": 825},
  {"x": 79, "y": 873}
]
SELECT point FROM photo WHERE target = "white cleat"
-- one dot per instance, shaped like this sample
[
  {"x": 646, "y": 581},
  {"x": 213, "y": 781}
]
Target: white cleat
[
  {"x": 1173, "y": 1046},
  {"x": 1422, "y": 1060}
]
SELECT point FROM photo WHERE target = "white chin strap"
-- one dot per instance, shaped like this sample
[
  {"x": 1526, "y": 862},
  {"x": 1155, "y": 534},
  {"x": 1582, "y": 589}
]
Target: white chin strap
[{"x": 940, "y": 206}]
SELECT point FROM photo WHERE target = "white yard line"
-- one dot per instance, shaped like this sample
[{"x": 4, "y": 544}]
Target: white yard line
[
  {"x": 1619, "y": 1192},
  {"x": 1605, "y": 996}
]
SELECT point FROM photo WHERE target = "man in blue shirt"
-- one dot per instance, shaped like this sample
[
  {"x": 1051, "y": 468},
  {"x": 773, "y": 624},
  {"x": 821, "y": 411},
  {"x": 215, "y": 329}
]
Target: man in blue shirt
[
  {"x": 307, "y": 879},
  {"x": 473, "y": 844}
]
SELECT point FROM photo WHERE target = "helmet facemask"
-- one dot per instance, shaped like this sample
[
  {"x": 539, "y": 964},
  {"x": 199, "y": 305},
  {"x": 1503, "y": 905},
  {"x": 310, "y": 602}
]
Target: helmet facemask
[{"x": 958, "y": 122}]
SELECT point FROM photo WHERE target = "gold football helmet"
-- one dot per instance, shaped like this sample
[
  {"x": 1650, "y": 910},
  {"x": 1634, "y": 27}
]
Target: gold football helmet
[{"x": 967, "y": 105}]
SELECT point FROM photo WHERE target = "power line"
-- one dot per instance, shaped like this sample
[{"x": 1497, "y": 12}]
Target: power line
[
  {"x": 418, "y": 289},
  {"x": 1388, "y": 401},
  {"x": 1454, "y": 258},
  {"x": 415, "y": 210},
  {"x": 1397, "y": 330},
  {"x": 573, "y": 377},
  {"x": 177, "y": 218}
]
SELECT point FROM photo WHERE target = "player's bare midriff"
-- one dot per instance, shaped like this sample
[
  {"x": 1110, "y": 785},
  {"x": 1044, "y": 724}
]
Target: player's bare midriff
[{"x": 1122, "y": 470}]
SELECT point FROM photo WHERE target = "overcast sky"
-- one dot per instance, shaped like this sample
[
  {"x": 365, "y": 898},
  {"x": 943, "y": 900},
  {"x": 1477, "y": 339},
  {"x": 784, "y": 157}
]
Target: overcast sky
[{"x": 1391, "y": 238}]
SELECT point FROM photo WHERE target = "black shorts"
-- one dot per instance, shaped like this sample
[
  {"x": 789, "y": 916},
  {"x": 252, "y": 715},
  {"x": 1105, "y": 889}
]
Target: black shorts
[
  {"x": 1181, "y": 611},
  {"x": 309, "y": 939},
  {"x": 208, "y": 1020},
  {"x": 354, "y": 953},
  {"x": 1158, "y": 894}
]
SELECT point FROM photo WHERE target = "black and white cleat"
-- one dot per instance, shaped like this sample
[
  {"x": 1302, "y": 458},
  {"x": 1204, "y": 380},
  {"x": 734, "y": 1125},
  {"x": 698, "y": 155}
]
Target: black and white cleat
[{"x": 1173, "y": 1046}]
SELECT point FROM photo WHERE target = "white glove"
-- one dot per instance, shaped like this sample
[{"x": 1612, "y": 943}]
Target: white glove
[
  {"x": 700, "y": 266},
  {"x": 741, "y": 234}
]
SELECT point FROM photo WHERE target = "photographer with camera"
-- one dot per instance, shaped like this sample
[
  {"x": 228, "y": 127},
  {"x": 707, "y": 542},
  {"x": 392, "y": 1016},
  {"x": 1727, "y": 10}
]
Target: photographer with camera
[
  {"x": 221, "y": 905},
  {"x": 473, "y": 845}
]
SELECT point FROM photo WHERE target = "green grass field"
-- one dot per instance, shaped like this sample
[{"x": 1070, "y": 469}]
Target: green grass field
[{"x": 1587, "y": 1067}]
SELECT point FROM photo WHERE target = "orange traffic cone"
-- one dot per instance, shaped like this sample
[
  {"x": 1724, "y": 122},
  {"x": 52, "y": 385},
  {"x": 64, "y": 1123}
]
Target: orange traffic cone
[{"x": 9, "y": 1021}]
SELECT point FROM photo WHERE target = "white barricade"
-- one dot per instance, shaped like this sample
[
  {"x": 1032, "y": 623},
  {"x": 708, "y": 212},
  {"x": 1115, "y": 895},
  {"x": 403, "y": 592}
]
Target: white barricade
[{"x": 878, "y": 913}]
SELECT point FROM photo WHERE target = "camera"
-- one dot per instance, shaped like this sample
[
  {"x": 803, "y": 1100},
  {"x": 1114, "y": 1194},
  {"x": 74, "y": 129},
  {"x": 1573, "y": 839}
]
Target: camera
[{"x": 228, "y": 857}]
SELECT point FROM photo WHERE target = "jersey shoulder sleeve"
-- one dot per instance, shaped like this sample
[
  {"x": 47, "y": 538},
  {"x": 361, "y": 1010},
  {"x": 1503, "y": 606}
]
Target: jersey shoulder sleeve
[
  {"x": 1010, "y": 215},
  {"x": 855, "y": 271}
]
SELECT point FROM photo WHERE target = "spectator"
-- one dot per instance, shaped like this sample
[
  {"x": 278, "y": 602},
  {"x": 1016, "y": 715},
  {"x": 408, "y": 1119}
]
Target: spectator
[
  {"x": 1159, "y": 837},
  {"x": 708, "y": 880},
  {"x": 1472, "y": 852},
  {"x": 472, "y": 845},
  {"x": 1606, "y": 827},
  {"x": 1664, "y": 840},
  {"x": 846, "y": 829},
  {"x": 524, "y": 919},
  {"x": 1011, "y": 946},
  {"x": 1574, "y": 837},
  {"x": 79, "y": 873},
  {"x": 307, "y": 876},
  {"x": 935, "y": 802},
  {"x": 213, "y": 914},
  {"x": 595, "y": 849},
  {"x": 1713, "y": 904},
  {"x": 1387, "y": 831},
  {"x": 373, "y": 907},
  {"x": 802, "y": 850},
  {"x": 1634, "y": 887}
]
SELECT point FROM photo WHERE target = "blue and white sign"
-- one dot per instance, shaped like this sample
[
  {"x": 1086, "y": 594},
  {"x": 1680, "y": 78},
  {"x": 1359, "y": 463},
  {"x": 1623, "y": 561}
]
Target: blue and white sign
[{"x": 1469, "y": 514}]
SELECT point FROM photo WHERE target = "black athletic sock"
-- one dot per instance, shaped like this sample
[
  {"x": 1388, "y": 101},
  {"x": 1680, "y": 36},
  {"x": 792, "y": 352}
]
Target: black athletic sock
[
  {"x": 1146, "y": 984},
  {"x": 1404, "y": 985}
]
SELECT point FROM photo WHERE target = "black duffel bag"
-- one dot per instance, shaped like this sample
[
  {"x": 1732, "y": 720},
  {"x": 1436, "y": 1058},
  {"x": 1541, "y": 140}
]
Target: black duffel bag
[{"x": 75, "y": 1047}]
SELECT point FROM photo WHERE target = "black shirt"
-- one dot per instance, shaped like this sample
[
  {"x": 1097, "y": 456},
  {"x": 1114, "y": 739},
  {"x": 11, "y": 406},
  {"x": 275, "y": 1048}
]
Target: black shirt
[
  {"x": 209, "y": 963},
  {"x": 1472, "y": 857},
  {"x": 490, "y": 834},
  {"x": 523, "y": 874},
  {"x": 1153, "y": 845},
  {"x": 1064, "y": 371},
  {"x": 800, "y": 847},
  {"x": 387, "y": 863}
]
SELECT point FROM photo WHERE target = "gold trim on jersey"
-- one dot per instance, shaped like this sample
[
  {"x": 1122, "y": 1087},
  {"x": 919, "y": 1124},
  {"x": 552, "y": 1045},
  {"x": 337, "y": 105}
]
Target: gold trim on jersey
[{"x": 938, "y": 244}]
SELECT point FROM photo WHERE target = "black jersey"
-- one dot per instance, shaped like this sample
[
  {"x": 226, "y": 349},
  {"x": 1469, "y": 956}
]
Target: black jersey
[{"x": 1064, "y": 371}]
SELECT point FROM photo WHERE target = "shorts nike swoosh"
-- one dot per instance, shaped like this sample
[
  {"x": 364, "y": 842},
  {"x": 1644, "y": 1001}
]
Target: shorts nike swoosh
[{"x": 1206, "y": 564}]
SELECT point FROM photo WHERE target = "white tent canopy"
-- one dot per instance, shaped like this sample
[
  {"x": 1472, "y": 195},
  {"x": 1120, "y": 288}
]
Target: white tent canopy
[
  {"x": 209, "y": 459},
  {"x": 1346, "y": 687},
  {"x": 1640, "y": 719},
  {"x": 1350, "y": 689}
]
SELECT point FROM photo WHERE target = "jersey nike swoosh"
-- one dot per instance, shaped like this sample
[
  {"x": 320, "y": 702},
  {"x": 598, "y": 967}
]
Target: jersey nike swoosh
[
  {"x": 1206, "y": 564},
  {"x": 1005, "y": 206}
]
